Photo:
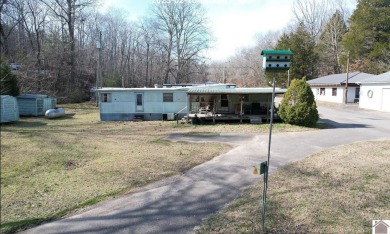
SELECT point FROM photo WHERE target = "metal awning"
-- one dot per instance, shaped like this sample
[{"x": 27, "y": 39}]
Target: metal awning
[{"x": 236, "y": 91}]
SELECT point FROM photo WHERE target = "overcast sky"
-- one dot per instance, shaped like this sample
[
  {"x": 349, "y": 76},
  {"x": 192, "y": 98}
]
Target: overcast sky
[{"x": 234, "y": 23}]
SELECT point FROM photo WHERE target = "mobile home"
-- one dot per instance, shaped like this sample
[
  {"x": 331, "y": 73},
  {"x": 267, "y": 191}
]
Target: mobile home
[
  {"x": 223, "y": 101},
  {"x": 142, "y": 103}
]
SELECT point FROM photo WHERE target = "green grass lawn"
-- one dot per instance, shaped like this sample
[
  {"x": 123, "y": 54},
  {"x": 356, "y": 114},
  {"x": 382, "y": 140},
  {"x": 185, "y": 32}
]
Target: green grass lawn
[
  {"x": 52, "y": 167},
  {"x": 340, "y": 190}
]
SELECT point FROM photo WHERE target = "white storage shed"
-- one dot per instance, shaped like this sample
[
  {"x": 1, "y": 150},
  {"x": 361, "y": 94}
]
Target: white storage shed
[
  {"x": 9, "y": 110},
  {"x": 35, "y": 104}
]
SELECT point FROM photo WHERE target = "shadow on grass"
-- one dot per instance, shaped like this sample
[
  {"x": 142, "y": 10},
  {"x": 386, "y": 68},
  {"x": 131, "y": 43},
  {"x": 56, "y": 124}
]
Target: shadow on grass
[
  {"x": 66, "y": 116},
  {"x": 23, "y": 124},
  {"x": 16, "y": 226},
  {"x": 13, "y": 227}
]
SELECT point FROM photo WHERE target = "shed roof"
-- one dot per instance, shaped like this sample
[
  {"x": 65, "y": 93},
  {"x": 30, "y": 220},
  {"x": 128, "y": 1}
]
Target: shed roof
[
  {"x": 338, "y": 79},
  {"x": 382, "y": 78},
  {"x": 32, "y": 96},
  {"x": 236, "y": 91}
]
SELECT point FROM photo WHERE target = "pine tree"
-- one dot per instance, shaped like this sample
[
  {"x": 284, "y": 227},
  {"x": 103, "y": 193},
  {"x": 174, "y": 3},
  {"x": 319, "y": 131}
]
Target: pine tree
[
  {"x": 369, "y": 33},
  {"x": 8, "y": 82},
  {"x": 298, "y": 106}
]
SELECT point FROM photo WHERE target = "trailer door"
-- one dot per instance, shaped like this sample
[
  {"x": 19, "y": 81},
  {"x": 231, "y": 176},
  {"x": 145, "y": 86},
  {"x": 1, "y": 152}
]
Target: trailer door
[{"x": 139, "y": 102}]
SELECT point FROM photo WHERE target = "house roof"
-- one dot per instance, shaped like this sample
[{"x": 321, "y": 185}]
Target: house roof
[
  {"x": 113, "y": 89},
  {"x": 167, "y": 87},
  {"x": 339, "y": 79},
  {"x": 235, "y": 91},
  {"x": 382, "y": 78}
]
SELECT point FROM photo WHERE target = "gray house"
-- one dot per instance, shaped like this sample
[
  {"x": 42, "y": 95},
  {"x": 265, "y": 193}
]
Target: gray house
[
  {"x": 213, "y": 101},
  {"x": 332, "y": 88},
  {"x": 9, "y": 110},
  {"x": 35, "y": 104}
]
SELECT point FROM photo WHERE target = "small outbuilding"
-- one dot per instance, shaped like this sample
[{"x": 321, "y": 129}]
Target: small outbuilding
[
  {"x": 35, "y": 104},
  {"x": 332, "y": 88},
  {"x": 375, "y": 92},
  {"x": 9, "y": 110}
]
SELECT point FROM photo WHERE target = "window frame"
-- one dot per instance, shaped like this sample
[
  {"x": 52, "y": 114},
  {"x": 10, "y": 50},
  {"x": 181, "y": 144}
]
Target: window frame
[
  {"x": 322, "y": 91},
  {"x": 105, "y": 97},
  {"x": 224, "y": 100},
  {"x": 334, "y": 92},
  {"x": 167, "y": 97}
]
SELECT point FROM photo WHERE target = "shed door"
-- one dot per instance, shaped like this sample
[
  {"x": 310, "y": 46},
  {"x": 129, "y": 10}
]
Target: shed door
[
  {"x": 386, "y": 100},
  {"x": 40, "y": 107},
  {"x": 139, "y": 102}
]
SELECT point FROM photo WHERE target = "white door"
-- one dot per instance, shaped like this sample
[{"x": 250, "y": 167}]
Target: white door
[
  {"x": 139, "y": 102},
  {"x": 386, "y": 100}
]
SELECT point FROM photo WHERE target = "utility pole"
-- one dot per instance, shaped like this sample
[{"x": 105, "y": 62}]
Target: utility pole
[
  {"x": 98, "y": 69},
  {"x": 288, "y": 78},
  {"x": 346, "y": 83}
]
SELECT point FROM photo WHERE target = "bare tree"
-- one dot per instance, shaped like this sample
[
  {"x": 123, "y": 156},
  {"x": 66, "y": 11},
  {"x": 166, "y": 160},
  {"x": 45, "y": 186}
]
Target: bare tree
[
  {"x": 330, "y": 42},
  {"x": 184, "y": 35},
  {"x": 67, "y": 10},
  {"x": 312, "y": 14}
]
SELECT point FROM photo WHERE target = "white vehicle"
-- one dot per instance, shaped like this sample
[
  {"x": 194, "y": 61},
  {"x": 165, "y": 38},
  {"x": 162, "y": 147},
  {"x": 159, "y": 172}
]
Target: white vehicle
[{"x": 15, "y": 66}]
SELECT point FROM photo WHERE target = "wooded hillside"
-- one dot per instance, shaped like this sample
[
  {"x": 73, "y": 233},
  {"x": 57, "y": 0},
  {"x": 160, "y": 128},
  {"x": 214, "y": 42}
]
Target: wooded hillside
[{"x": 66, "y": 47}]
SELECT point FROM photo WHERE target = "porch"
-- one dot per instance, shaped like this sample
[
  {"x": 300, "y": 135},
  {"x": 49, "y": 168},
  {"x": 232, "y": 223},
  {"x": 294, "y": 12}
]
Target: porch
[{"x": 236, "y": 104}]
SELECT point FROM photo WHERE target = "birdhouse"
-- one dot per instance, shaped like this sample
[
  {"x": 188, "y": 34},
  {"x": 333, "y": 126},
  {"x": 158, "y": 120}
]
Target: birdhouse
[{"x": 276, "y": 60}]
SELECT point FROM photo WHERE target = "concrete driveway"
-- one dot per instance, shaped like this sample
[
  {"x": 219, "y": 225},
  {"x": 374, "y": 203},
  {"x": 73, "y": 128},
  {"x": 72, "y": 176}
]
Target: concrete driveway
[{"x": 178, "y": 204}]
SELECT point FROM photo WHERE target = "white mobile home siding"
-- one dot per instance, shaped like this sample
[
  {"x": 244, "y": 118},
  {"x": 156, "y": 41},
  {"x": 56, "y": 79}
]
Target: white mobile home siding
[
  {"x": 122, "y": 104},
  {"x": 379, "y": 98},
  {"x": 9, "y": 110}
]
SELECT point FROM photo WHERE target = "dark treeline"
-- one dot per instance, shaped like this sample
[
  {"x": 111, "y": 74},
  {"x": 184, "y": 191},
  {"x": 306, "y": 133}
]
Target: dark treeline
[{"x": 55, "y": 41}]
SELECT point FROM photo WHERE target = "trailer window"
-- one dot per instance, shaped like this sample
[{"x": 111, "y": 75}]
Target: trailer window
[
  {"x": 224, "y": 100},
  {"x": 106, "y": 97},
  {"x": 167, "y": 97}
]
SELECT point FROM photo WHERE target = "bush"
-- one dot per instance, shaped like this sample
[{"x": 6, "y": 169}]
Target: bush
[
  {"x": 298, "y": 106},
  {"x": 8, "y": 82}
]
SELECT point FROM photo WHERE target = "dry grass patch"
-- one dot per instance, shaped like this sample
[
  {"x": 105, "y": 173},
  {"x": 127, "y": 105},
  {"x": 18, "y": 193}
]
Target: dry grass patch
[
  {"x": 339, "y": 190},
  {"x": 52, "y": 167}
]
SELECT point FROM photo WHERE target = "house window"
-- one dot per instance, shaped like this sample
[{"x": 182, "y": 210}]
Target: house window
[
  {"x": 322, "y": 91},
  {"x": 167, "y": 97},
  {"x": 106, "y": 97},
  {"x": 334, "y": 91},
  {"x": 224, "y": 100}
]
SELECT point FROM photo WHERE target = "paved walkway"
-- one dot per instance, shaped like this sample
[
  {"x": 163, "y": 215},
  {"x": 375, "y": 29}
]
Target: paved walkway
[{"x": 178, "y": 204}]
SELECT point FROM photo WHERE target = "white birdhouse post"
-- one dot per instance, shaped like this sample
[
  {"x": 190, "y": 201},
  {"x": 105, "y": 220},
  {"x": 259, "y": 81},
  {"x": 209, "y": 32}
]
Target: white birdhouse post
[{"x": 274, "y": 61}]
